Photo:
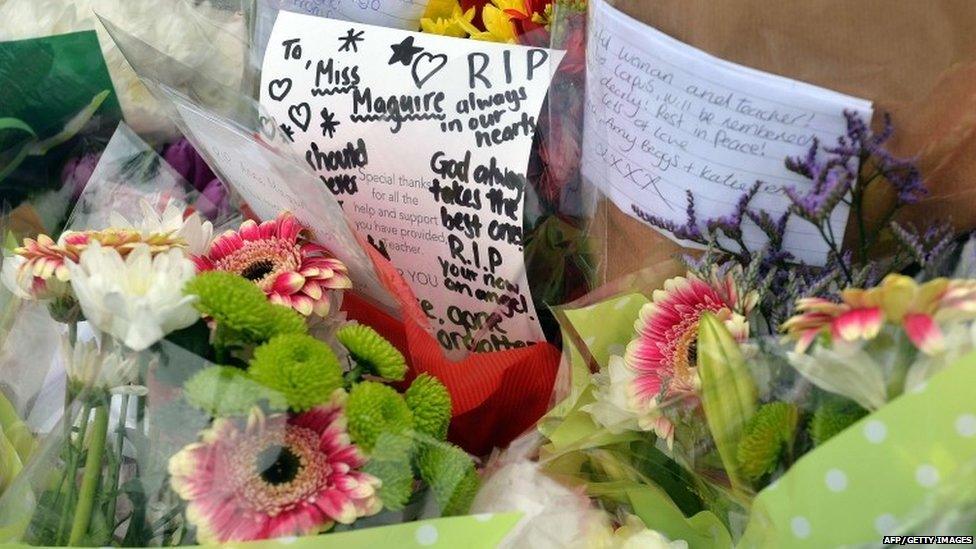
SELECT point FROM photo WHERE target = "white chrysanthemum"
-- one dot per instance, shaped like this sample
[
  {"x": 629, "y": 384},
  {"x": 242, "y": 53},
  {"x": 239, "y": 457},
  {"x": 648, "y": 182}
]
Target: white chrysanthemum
[
  {"x": 102, "y": 369},
  {"x": 633, "y": 534},
  {"x": 187, "y": 33},
  {"x": 553, "y": 515},
  {"x": 138, "y": 299},
  {"x": 194, "y": 230}
]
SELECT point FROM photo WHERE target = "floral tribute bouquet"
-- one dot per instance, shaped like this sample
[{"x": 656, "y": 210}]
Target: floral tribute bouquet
[
  {"x": 754, "y": 400},
  {"x": 209, "y": 388}
]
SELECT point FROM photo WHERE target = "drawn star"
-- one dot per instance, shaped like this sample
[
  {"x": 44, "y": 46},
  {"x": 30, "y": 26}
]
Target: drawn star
[
  {"x": 329, "y": 123},
  {"x": 351, "y": 40},
  {"x": 288, "y": 131},
  {"x": 404, "y": 51}
]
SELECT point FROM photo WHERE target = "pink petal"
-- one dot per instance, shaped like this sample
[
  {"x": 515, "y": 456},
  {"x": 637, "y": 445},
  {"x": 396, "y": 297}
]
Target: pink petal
[
  {"x": 312, "y": 290},
  {"x": 337, "y": 506},
  {"x": 924, "y": 333},
  {"x": 249, "y": 230},
  {"x": 858, "y": 324},
  {"x": 288, "y": 283},
  {"x": 303, "y": 304},
  {"x": 806, "y": 339},
  {"x": 288, "y": 228},
  {"x": 322, "y": 305}
]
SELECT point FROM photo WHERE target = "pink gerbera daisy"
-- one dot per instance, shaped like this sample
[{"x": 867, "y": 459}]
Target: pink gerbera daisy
[
  {"x": 273, "y": 476},
  {"x": 663, "y": 355},
  {"x": 290, "y": 270}
]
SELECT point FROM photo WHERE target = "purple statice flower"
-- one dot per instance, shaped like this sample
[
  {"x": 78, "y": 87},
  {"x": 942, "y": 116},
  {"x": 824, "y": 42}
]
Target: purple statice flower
[
  {"x": 925, "y": 248},
  {"x": 816, "y": 205},
  {"x": 690, "y": 230},
  {"x": 77, "y": 171},
  {"x": 731, "y": 224},
  {"x": 901, "y": 173},
  {"x": 836, "y": 173}
]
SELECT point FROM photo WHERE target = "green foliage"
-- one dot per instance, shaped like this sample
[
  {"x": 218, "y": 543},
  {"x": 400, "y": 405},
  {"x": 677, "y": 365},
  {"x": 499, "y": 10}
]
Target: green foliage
[
  {"x": 226, "y": 391},
  {"x": 374, "y": 409},
  {"x": 833, "y": 417},
  {"x": 390, "y": 462},
  {"x": 767, "y": 437},
  {"x": 372, "y": 352},
  {"x": 451, "y": 475},
  {"x": 241, "y": 310},
  {"x": 430, "y": 403},
  {"x": 303, "y": 369},
  {"x": 728, "y": 392}
]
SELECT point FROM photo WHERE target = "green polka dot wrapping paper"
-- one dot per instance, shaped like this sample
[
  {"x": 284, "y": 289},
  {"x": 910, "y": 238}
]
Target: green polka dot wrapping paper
[
  {"x": 484, "y": 531},
  {"x": 889, "y": 474}
]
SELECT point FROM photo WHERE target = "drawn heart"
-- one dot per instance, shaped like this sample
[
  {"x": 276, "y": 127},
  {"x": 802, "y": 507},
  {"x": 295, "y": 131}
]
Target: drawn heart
[
  {"x": 301, "y": 115},
  {"x": 426, "y": 65},
  {"x": 268, "y": 127},
  {"x": 278, "y": 89}
]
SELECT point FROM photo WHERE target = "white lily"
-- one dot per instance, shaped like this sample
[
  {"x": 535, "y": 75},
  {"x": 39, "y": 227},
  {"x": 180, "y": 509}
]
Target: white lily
[{"x": 138, "y": 299}]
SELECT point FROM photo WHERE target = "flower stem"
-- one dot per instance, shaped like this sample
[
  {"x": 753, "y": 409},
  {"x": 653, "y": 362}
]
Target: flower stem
[
  {"x": 89, "y": 482},
  {"x": 113, "y": 481},
  {"x": 71, "y": 469}
]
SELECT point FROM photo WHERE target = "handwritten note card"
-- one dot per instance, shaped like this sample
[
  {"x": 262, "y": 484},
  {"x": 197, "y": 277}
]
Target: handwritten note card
[
  {"x": 663, "y": 118},
  {"x": 425, "y": 141}
]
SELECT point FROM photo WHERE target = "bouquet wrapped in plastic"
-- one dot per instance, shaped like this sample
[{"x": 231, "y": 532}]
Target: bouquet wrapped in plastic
[
  {"x": 211, "y": 390},
  {"x": 755, "y": 403}
]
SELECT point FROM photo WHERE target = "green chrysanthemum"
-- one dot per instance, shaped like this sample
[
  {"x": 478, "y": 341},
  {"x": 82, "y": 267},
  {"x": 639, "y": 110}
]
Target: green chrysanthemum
[
  {"x": 451, "y": 476},
  {"x": 371, "y": 351},
  {"x": 224, "y": 391},
  {"x": 831, "y": 418},
  {"x": 390, "y": 462},
  {"x": 300, "y": 367},
  {"x": 241, "y": 309},
  {"x": 430, "y": 403},
  {"x": 767, "y": 436},
  {"x": 374, "y": 409}
]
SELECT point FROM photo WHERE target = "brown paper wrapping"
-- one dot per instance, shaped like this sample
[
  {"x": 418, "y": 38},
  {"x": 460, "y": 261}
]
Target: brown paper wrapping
[{"x": 914, "y": 59}]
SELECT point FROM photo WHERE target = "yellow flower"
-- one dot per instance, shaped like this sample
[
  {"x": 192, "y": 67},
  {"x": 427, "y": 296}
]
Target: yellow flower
[
  {"x": 498, "y": 23},
  {"x": 454, "y": 23}
]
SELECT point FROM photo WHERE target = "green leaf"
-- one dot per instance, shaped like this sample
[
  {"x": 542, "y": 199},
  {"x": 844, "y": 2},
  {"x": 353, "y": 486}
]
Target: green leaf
[
  {"x": 15, "y": 430},
  {"x": 658, "y": 511},
  {"x": 10, "y": 463},
  {"x": 728, "y": 393}
]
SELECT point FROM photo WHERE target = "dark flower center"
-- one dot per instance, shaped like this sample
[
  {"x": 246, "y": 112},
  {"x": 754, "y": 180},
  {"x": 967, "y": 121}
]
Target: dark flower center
[
  {"x": 693, "y": 353},
  {"x": 278, "y": 465},
  {"x": 258, "y": 270}
]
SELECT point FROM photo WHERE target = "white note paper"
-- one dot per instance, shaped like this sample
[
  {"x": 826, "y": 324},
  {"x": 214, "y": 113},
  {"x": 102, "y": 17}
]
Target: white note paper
[
  {"x": 663, "y": 118},
  {"x": 425, "y": 141}
]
